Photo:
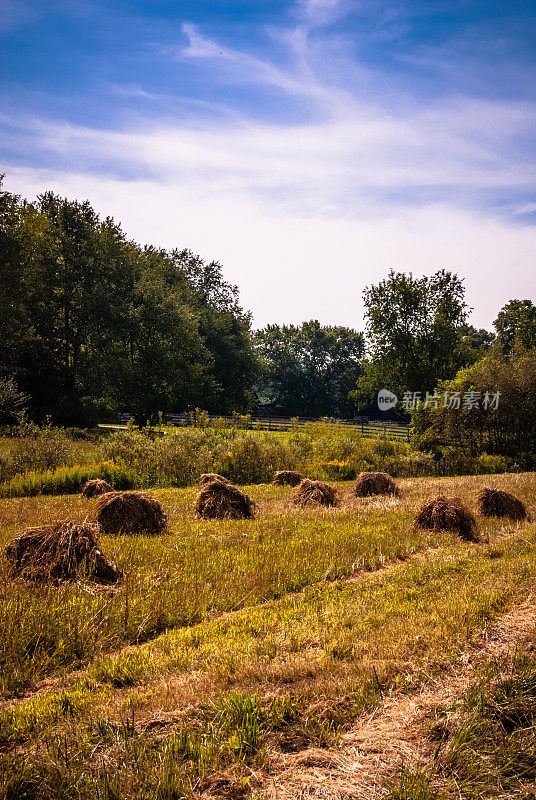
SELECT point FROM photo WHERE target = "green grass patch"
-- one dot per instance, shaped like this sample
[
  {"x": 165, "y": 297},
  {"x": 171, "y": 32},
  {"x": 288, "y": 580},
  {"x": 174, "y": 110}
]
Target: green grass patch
[
  {"x": 68, "y": 480},
  {"x": 179, "y": 579},
  {"x": 346, "y": 639}
]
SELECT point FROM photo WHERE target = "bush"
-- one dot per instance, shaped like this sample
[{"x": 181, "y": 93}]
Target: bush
[
  {"x": 322, "y": 451},
  {"x": 493, "y": 465},
  {"x": 36, "y": 448},
  {"x": 175, "y": 459},
  {"x": 337, "y": 470},
  {"x": 68, "y": 480},
  {"x": 13, "y": 404},
  {"x": 254, "y": 458}
]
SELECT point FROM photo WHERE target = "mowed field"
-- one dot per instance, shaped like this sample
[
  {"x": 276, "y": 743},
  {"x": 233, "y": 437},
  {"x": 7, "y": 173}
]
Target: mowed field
[{"x": 229, "y": 643}]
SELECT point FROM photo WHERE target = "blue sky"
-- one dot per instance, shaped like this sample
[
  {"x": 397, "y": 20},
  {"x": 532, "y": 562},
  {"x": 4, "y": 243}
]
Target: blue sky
[{"x": 309, "y": 146}]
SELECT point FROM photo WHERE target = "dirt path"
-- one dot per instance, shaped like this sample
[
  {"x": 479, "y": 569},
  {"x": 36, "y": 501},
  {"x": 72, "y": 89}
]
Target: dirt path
[{"x": 393, "y": 736}]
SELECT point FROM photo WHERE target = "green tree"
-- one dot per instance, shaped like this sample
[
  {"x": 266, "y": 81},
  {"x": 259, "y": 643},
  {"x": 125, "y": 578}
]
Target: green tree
[
  {"x": 13, "y": 404},
  {"x": 159, "y": 359},
  {"x": 226, "y": 334},
  {"x": 516, "y": 326},
  {"x": 502, "y": 418},
  {"x": 417, "y": 333},
  {"x": 309, "y": 369},
  {"x": 90, "y": 320}
]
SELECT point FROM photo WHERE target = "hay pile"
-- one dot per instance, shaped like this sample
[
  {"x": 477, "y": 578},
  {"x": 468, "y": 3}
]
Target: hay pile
[
  {"x": 314, "y": 493},
  {"x": 369, "y": 483},
  {"x": 96, "y": 487},
  {"x": 287, "y": 477},
  {"x": 496, "y": 503},
  {"x": 447, "y": 515},
  {"x": 130, "y": 512},
  {"x": 60, "y": 552},
  {"x": 218, "y": 500},
  {"x": 208, "y": 477}
]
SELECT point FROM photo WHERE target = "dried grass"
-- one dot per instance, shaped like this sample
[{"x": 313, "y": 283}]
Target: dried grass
[
  {"x": 370, "y": 483},
  {"x": 208, "y": 477},
  {"x": 314, "y": 493},
  {"x": 287, "y": 477},
  {"x": 496, "y": 503},
  {"x": 131, "y": 513},
  {"x": 447, "y": 515},
  {"x": 218, "y": 500},
  {"x": 60, "y": 552},
  {"x": 96, "y": 487}
]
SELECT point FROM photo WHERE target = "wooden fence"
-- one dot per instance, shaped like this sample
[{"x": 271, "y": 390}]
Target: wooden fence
[{"x": 370, "y": 429}]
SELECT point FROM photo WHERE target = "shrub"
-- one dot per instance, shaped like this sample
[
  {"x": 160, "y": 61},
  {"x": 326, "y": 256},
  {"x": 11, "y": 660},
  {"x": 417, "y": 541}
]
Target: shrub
[
  {"x": 254, "y": 458},
  {"x": 172, "y": 460},
  {"x": 493, "y": 465},
  {"x": 337, "y": 470},
  {"x": 13, "y": 404}
]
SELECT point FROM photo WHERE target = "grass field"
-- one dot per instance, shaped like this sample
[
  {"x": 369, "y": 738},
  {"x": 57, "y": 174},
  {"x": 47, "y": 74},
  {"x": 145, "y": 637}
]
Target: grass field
[
  {"x": 228, "y": 641},
  {"x": 283, "y": 431}
]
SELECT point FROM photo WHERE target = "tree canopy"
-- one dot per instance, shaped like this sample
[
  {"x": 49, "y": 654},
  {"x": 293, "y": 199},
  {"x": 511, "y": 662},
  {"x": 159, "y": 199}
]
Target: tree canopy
[
  {"x": 309, "y": 369},
  {"x": 516, "y": 326},
  {"x": 90, "y": 321},
  {"x": 417, "y": 333},
  {"x": 93, "y": 323},
  {"x": 489, "y": 407}
]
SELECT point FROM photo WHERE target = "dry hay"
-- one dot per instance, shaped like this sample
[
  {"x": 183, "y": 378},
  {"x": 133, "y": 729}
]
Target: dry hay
[
  {"x": 314, "y": 493},
  {"x": 130, "y": 512},
  {"x": 447, "y": 515},
  {"x": 60, "y": 552},
  {"x": 208, "y": 477},
  {"x": 218, "y": 500},
  {"x": 96, "y": 487},
  {"x": 287, "y": 477},
  {"x": 496, "y": 503},
  {"x": 369, "y": 483}
]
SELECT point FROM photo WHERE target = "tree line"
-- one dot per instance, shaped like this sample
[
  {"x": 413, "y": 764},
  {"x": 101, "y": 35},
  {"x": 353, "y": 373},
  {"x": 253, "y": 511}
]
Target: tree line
[{"x": 92, "y": 323}]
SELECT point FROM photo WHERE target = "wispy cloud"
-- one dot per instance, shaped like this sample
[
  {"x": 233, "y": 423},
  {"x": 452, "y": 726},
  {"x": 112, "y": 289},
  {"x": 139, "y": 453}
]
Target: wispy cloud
[
  {"x": 239, "y": 67},
  {"x": 326, "y": 122},
  {"x": 14, "y": 13},
  {"x": 362, "y": 166},
  {"x": 322, "y": 12}
]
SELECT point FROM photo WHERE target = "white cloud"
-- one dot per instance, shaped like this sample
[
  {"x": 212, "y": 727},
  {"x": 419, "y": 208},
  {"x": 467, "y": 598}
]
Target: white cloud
[
  {"x": 304, "y": 215},
  {"x": 237, "y": 67},
  {"x": 369, "y": 163},
  {"x": 292, "y": 267},
  {"x": 323, "y": 12}
]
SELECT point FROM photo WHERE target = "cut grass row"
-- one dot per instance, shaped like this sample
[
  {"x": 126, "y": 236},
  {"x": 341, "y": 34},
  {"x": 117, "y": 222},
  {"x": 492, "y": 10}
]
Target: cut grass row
[
  {"x": 180, "y": 579},
  {"x": 485, "y": 743},
  {"x": 212, "y": 697},
  {"x": 200, "y": 570}
]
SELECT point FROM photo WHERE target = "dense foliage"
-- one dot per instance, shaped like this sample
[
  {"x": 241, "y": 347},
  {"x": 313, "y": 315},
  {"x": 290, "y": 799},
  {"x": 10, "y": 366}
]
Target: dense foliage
[
  {"x": 91, "y": 321},
  {"x": 310, "y": 369},
  {"x": 516, "y": 326},
  {"x": 417, "y": 334},
  {"x": 498, "y": 415}
]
